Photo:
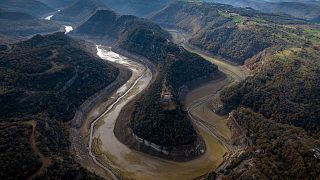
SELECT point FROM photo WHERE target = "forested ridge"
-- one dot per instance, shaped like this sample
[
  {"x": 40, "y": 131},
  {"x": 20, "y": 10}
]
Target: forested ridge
[
  {"x": 43, "y": 82},
  {"x": 285, "y": 90},
  {"x": 235, "y": 34}
]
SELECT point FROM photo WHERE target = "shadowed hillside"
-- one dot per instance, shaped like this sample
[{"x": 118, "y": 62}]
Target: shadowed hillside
[
  {"x": 137, "y": 7},
  {"x": 43, "y": 82},
  {"x": 79, "y": 11},
  {"x": 33, "y": 7},
  {"x": 22, "y": 24}
]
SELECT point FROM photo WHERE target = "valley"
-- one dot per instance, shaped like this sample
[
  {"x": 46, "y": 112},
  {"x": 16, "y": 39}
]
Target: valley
[
  {"x": 134, "y": 89},
  {"x": 109, "y": 153}
]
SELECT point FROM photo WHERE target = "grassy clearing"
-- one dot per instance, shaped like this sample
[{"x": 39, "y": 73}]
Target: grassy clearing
[{"x": 313, "y": 35}]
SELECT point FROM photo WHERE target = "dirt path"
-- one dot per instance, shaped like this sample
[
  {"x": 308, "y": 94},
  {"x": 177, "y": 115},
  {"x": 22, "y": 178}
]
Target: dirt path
[{"x": 46, "y": 162}]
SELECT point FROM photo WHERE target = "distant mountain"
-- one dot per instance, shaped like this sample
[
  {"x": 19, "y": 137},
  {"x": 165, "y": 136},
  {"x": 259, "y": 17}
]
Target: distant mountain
[
  {"x": 33, "y": 7},
  {"x": 308, "y": 10},
  {"x": 236, "y": 34},
  {"x": 57, "y": 4},
  {"x": 79, "y": 11},
  {"x": 8, "y": 15},
  {"x": 44, "y": 80},
  {"x": 22, "y": 24},
  {"x": 137, "y": 7}
]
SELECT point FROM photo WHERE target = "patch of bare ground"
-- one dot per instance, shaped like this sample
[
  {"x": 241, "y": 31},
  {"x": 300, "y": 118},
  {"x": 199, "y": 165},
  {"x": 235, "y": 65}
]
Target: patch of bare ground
[{"x": 45, "y": 161}]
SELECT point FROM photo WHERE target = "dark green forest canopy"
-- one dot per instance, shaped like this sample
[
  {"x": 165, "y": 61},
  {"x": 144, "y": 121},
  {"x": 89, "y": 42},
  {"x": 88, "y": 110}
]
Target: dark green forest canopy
[
  {"x": 278, "y": 151},
  {"x": 49, "y": 74},
  {"x": 285, "y": 90},
  {"x": 44, "y": 80}
]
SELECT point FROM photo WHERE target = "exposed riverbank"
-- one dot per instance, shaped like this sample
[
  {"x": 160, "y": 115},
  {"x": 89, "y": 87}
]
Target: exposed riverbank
[{"x": 124, "y": 162}]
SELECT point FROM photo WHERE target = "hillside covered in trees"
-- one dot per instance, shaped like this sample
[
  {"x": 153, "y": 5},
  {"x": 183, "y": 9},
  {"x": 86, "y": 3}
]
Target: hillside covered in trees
[
  {"x": 309, "y": 10},
  {"x": 278, "y": 109},
  {"x": 285, "y": 90},
  {"x": 277, "y": 151},
  {"x": 165, "y": 125},
  {"x": 43, "y": 82},
  {"x": 235, "y": 34}
]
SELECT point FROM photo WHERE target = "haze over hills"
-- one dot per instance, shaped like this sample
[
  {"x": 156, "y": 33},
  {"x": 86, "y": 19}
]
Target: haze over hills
[
  {"x": 235, "y": 34},
  {"x": 79, "y": 11},
  {"x": 137, "y": 7},
  {"x": 22, "y": 24},
  {"x": 309, "y": 10},
  {"x": 57, "y": 4},
  {"x": 32, "y": 7}
]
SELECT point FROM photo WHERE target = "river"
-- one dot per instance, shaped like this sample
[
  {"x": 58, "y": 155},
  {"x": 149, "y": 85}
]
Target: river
[
  {"x": 121, "y": 161},
  {"x": 66, "y": 28}
]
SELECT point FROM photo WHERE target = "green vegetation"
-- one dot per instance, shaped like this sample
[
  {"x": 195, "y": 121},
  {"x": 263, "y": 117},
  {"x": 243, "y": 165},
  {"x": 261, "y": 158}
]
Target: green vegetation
[
  {"x": 236, "y": 34},
  {"x": 45, "y": 79},
  {"x": 278, "y": 151},
  {"x": 286, "y": 90},
  {"x": 313, "y": 35},
  {"x": 16, "y": 152}
]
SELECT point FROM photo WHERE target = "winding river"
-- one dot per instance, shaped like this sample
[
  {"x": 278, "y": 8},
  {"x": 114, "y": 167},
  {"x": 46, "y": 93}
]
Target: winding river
[{"x": 121, "y": 161}]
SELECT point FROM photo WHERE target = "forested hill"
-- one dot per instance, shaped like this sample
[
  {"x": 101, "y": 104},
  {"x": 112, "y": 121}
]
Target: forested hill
[
  {"x": 279, "y": 111},
  {"x": 43, "y": 82},
  {"x": 285, "y": 90},
  {"x": 236, "y": 34},
  {"x": 22, "y": 24},
  {"x": 79, "y": 11},
  {"x": 165, "y": 125}
]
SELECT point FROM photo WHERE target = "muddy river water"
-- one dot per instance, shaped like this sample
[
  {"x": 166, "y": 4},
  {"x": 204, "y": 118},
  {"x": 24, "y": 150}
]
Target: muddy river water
[{"x": 121, "y": 161}]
